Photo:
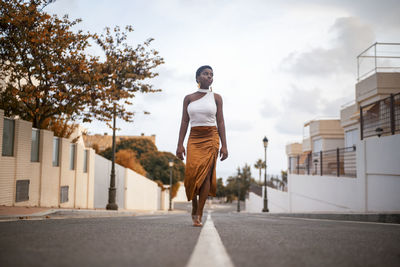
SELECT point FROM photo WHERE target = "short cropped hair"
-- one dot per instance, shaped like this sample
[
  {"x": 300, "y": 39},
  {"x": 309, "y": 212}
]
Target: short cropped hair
[{"x": 200, "y": 70}]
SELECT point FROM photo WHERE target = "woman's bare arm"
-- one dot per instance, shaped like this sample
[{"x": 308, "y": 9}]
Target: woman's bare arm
[
  {"x": 221, "y": 128},
  {"x": 180, "y": 151}
]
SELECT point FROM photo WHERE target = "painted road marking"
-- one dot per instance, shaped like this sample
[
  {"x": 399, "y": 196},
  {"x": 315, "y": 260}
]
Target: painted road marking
[{"x": 209, "y": 250}]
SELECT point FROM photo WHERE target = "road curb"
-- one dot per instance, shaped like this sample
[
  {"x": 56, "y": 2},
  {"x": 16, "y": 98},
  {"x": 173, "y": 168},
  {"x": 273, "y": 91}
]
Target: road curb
[
  {"x": 81, "y": 213},
  {"x": 358, "y": 217},
  {"x": 25, "y": 216}
]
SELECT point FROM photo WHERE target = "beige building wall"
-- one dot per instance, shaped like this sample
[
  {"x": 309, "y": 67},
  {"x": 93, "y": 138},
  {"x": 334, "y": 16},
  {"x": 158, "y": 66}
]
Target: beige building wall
[
  {"x": 81, "y": 180},
  {"x": 50, "y": 182},
  {"x": 19, "y": 166},
  {"x": 45, "y": 180},
  {"x": 7, "y": 171},
  {"x": 24, "y": 168},
  {"x": 67, "y": 177}
]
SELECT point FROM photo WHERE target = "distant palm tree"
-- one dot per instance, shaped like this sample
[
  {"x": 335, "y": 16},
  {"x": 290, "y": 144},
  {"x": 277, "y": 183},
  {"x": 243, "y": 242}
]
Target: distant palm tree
[{"x": 260, "y": 164}]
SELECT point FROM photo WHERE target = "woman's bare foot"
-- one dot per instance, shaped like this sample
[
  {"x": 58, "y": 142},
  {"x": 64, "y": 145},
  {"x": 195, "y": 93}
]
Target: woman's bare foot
[{"x": 197, "y": 221}]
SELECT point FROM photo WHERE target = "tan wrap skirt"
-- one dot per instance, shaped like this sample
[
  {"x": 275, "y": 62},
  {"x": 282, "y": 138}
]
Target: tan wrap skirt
[{"x": 202, "y": 154}]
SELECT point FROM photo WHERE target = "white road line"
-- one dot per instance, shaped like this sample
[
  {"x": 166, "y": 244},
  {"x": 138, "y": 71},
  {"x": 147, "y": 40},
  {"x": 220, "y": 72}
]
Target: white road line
[{"x": 209, "y": 250}]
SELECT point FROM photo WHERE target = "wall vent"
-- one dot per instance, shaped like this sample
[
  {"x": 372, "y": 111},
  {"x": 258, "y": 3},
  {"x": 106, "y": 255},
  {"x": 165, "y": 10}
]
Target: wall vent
[
  {"x": 64, "y": 194},
  {"x": 22, "y": 190}
]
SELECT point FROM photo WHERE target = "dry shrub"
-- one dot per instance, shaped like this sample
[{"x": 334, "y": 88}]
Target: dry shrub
[
  {"x": 96, "y": 148},
  {"x": 174, "y": 190},
  {"x": 61, "y": 127},
  {"x": 127, "y": 158}
]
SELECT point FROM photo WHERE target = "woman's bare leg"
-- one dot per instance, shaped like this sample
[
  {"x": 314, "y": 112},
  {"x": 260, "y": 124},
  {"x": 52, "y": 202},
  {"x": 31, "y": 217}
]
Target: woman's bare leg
[
  {"x": 204, "y": 190},
  {"x": 194, "y": 205}
]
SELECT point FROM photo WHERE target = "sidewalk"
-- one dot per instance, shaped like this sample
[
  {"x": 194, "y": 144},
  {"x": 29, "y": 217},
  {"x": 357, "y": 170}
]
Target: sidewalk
[
  {"x": 16, "y": 212},
  {"x": 12, "y": 213}
]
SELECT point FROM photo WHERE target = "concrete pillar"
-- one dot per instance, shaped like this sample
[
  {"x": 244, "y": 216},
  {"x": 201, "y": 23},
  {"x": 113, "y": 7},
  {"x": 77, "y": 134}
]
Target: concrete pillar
[{"x": 362, "y": 178}]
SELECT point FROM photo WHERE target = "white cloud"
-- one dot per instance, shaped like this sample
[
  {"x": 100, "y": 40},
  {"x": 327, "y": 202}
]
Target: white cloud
[
  {"x": 269, "y": 109},
  {"x": 246, "y": 42},
  {"x": 350, "y": 36}
]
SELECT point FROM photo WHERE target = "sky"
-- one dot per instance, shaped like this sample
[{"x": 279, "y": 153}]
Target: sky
[{"x": 277, "y": 64}]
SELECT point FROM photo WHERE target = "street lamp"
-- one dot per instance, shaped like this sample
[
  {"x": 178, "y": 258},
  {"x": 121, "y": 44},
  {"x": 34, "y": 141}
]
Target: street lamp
[
  {"x": 265, "y": 141},
  {"x": 171, "y": 164},
  {"x": 315, "y": 164},
  {"x": 238, "y": 188},
  {"x": 112, "y": 205}
]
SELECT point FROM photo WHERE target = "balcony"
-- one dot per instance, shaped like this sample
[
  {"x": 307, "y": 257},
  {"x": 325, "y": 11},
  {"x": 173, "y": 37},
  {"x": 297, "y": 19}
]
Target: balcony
[
  {"x": 326, "y": 128},
  {"x": 293, "y": 149},
  {"x": 378, "y": 72},
  {"x": 349, "y": 115}
]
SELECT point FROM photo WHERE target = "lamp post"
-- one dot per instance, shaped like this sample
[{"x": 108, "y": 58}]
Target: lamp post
[
  {"x": 238, "y": 188},
  {"x": 315, "y": 164},
  {"x": 171, "y": 164},
  {"x": 112, "y": 191},
  {"x": 265, "y": 141}
]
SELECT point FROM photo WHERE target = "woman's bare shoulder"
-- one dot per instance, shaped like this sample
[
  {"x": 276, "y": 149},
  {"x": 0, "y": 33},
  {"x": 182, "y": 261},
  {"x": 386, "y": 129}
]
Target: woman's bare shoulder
[
  {"x": 189, "y": 96},
  {"x": 217, "y": 97}
]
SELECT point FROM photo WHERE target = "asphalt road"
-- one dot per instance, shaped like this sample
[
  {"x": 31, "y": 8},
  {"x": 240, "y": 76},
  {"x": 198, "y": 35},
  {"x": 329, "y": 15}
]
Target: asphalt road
[
  {"x": 169, "y": 240},
  {"x": 261, "y": 240}
]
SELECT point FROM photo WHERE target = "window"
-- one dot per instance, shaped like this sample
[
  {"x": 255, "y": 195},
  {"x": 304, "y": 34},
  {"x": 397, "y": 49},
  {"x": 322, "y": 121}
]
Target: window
[
  {"x": 35, "y": 145},
  {"x": 72, "y": 157},
  {"x": 56, "y": 150},
  {"x": 351, "y": 138},
  {"x": 85, "y": 158},
  {"x": 8, "y": 138},
  {"x": 317, "y": 145}
]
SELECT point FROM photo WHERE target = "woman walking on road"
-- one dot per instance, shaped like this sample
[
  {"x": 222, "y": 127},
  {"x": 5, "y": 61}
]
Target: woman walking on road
[{"x": 203, "y": 109}]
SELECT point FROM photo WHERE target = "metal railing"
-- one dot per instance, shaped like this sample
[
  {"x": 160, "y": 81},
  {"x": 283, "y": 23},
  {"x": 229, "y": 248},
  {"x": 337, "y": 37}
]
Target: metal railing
[
  {"x": 381, "y": 117},
  {"x": 336, "y": 162},
  {"x": 379, "y": 57}
]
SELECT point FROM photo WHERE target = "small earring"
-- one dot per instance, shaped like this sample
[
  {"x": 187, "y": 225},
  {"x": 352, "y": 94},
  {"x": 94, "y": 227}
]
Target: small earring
[{"x": 198, "y": 85}]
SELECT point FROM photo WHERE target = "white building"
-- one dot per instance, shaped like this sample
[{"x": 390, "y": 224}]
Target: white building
[{"x": 367, "y": 177}]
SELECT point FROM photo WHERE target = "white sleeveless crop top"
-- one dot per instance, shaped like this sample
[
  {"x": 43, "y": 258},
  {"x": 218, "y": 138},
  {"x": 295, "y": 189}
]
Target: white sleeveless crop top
[{"x": 202, "y": 112}]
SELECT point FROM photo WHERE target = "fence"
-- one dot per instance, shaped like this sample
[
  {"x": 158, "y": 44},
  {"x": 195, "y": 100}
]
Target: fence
[
  {"x": 335, "y": 162},
  {"x": 381, "y": 117}
]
